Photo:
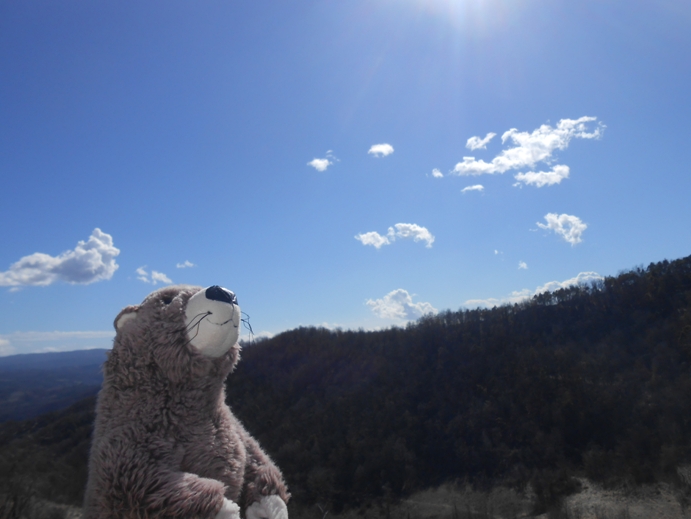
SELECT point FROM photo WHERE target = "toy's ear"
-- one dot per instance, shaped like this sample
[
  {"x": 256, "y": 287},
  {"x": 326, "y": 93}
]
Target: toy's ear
[{"x": 127, "y": 314}]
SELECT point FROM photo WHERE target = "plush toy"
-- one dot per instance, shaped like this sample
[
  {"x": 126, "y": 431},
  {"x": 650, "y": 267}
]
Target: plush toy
[{"x": 165, "y": 444}]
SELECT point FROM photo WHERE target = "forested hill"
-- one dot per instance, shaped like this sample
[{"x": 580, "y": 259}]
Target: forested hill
[{"x": 592, "y": 380}]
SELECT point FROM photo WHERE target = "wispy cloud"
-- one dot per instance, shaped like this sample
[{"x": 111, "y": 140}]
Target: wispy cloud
[
  {"x": 477, "y": 187},
  {"x": 583, "y": 278},
  {"x": 37, "y": 342},
  {"x": 567, "y": 226},
  {"x": 437, "y": 174},
  {"x": 381, "y": 150},
  {"x": 153, "y": 278},
  {"x": 90, "y": 261},
  {"x": 6, "y": 348},
  {"x": 476, "y": 143},
  {"x": 530, "y": 149},
  {"x": 373, "y": 238},
  {"x": 517, "y": 296},
  {"x": 514, "y": 297},
  {"x": 400, "y": 230},
  {"x": 398, "y": 304},
  {"x": 522, "y": 265},
  {"x": 186, "y": 265},
  {"x": 543, "y": 178}
]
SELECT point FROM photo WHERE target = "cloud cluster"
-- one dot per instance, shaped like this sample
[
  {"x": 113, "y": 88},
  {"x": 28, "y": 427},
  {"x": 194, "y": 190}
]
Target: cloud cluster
[
  {"x": 186, "y": 265},
  {"x": 381, "y": 150},
  {"x": 154, "y": 278},
  {"x": 567, "y": 226},
  {"x": 323, "y": 164},
  {"x": 400, "y": 230},
  {"x": 583, "y": 278},
  {"x": 90, "y": 261},
  {"x": 530, "y": 149},
  {"x": 477, "y": 187},
  {"x": 398, "y": 305},
  {"x": 476, "y": 143}
]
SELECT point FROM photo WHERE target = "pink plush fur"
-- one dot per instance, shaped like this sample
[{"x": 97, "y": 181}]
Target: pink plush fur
[{"x": 165, "y": 444}]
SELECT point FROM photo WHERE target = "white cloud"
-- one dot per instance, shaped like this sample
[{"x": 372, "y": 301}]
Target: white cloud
[
  {"x": 531, "y": 148},
  {"x": 411, "y": 230},
  {"x": 583, "y": 278},
  {"x": 142, "y": 274},
  {"x": 381, "y": 150},
  {"x": 522, "y": 265},
  {"x": 159, "y": 276},
  {"x": 320, "y": 164},
  {"x": 37, "y": 342},
  {"x": 569, "y": 227},
  {"x": 6, "y": 348},
  {"x": 437, "y": 174},
  {"x": 57, "y": 336},
  {"x": 154, "y": 278},
  {"x": 475, "y": 143},
  {"x": 515, "y": 297},
  {"x": 399, "y": 305},
  {"x": 543, "y": 178},
  {"x": 477, "y": 187},
  {"x": 186, "y": 265},
  {"x": 400, "y": 230},
  {"x": 373, "y": 238},
  {"x": 521, "y": 295},
  {"x": 90, "y": 261}
]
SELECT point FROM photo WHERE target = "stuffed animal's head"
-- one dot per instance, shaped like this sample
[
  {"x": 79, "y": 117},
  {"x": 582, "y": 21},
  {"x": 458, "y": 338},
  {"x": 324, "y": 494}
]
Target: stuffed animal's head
[{"x": 181, "y": 329}]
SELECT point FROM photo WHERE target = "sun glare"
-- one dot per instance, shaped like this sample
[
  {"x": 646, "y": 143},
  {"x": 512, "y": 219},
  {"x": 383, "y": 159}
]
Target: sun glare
[{"x": 476, "y": 15}]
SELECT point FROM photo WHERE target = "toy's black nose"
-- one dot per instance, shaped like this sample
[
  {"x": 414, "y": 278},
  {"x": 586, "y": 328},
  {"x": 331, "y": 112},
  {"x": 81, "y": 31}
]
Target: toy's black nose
[{"x": 216, "y": 293}]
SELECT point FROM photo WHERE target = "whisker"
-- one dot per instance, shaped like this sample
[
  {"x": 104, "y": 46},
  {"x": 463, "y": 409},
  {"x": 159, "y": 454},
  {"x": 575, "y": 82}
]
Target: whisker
[
  {"x": 196, "y": 323},
  {"x": 247, "y": 324},
  {"x": 203, "y": 316}
]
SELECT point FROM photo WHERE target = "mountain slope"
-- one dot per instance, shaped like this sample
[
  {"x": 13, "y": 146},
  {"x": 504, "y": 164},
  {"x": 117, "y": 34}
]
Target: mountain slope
[{"x": 590, "y": 380}]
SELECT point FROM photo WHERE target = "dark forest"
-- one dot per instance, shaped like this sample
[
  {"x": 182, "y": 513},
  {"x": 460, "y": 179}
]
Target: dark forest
[{"x": 590, "y": 381}]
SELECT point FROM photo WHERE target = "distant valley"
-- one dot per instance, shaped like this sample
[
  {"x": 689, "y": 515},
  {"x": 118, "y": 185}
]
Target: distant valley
[{"x": 38, "y": 383}]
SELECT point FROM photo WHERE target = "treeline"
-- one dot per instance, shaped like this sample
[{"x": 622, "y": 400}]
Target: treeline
[{"x": 590, "y": 380}]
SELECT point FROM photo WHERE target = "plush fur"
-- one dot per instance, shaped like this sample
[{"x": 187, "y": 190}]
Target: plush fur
[{"x": 165, "y": 444}]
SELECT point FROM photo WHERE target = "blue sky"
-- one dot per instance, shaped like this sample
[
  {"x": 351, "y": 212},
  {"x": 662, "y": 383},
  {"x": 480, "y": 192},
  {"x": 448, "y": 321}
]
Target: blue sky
[{"x": 335, "y": 163}]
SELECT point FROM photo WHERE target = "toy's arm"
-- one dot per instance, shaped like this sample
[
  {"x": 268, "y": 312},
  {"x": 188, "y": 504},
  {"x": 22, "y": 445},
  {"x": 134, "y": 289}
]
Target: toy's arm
[
  {"x": 187, "y": 495},
  {"x": 265, "y": 492},
  {"x": 128, "y": 482}
]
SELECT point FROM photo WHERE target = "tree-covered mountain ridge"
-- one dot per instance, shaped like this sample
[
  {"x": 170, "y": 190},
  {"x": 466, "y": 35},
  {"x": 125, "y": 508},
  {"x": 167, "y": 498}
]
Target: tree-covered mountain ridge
[
  {"x": 592, "y": 378},
  {"x": 589, "y": 380}
]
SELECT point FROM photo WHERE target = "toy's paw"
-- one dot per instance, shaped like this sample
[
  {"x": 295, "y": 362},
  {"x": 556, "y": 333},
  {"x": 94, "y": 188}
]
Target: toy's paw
[
  {"x": 229, "y": 510},
  {"x": 268, "y": 507}
]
